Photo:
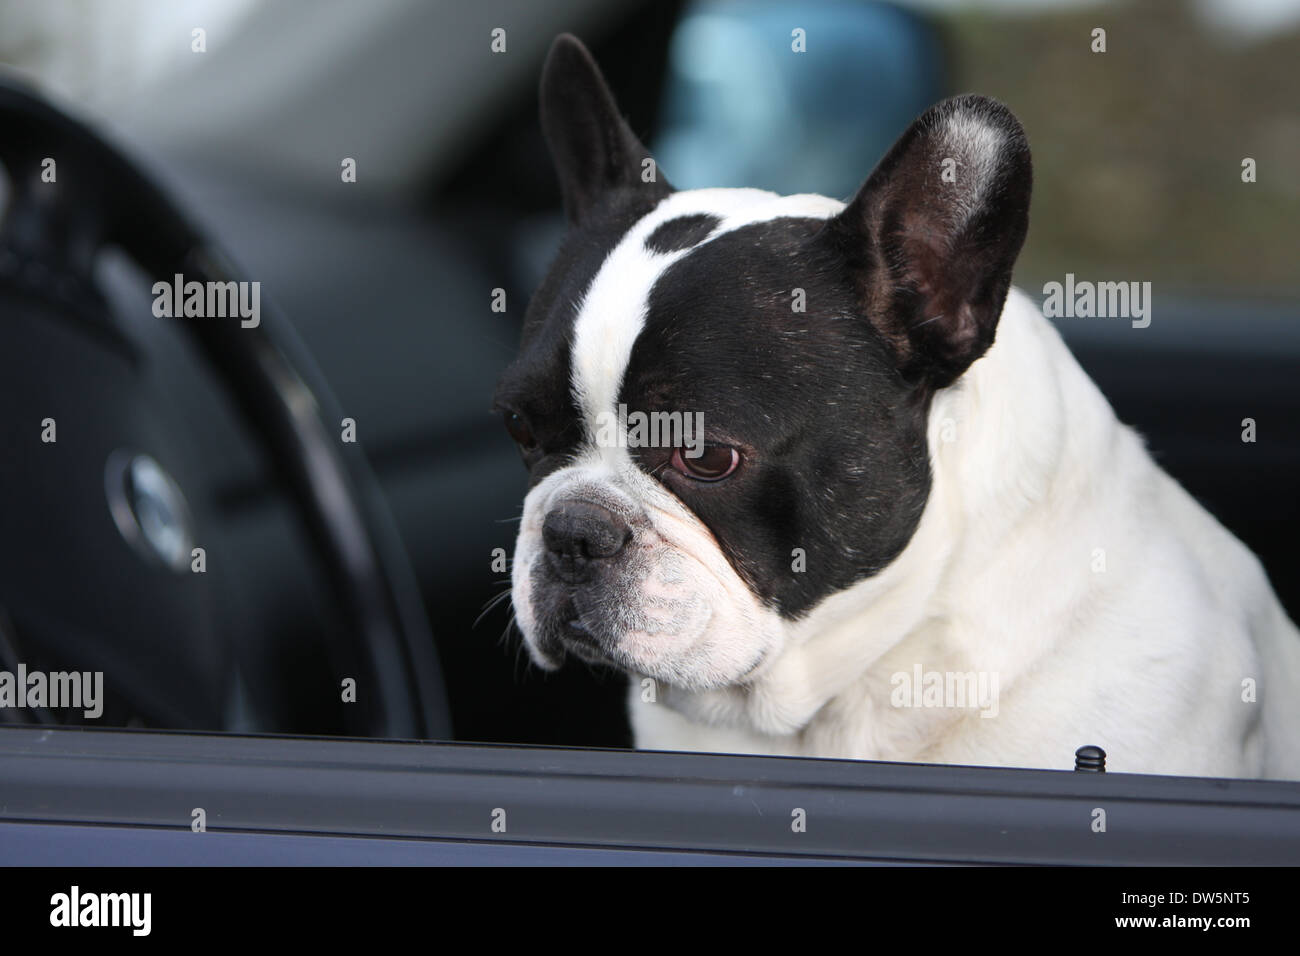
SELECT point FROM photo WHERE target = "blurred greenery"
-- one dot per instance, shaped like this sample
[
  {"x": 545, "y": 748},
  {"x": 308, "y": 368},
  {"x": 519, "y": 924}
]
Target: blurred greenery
[{"x": 1138, "y": 150}]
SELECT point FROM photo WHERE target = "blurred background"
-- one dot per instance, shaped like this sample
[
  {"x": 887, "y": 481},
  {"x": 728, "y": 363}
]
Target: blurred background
[{"x": 1138, "y": 155}]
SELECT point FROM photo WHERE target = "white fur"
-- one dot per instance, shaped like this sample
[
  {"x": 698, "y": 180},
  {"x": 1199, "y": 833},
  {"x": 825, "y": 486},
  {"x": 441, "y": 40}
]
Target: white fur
[
  {"x": 683, "y": 609},
  {"x": 1146, "y": 659},
  {"x": 976, "y": 147}
]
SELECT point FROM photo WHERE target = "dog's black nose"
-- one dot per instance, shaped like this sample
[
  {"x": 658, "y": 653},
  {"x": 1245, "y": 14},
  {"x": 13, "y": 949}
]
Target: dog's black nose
[{"x": 579, "y": 532}]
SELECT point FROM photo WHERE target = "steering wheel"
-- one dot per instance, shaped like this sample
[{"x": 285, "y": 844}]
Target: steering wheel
[{"x": 58, "y": 219}]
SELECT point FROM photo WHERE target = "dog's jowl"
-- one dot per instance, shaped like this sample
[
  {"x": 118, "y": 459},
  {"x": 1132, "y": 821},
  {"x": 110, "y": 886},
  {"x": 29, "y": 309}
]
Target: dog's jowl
[{"x": 900, "y": 498}]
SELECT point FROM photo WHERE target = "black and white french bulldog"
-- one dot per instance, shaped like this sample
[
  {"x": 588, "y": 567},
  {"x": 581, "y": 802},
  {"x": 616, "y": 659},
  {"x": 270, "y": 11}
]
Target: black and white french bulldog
[{"x": 905, "y": 490}]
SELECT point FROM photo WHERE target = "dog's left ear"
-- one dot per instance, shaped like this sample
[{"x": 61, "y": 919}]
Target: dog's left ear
[
  {"x": 931, "y": 237},
  {"x": 594, "y": 149}
]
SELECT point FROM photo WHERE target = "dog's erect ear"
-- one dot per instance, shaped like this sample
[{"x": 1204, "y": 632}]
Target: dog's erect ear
[
  {"x": 932, "y": 235},
  {"x": 594, "y": 149}
]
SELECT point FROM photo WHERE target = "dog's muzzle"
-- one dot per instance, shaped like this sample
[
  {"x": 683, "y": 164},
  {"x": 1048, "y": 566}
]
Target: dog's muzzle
[{"x": 612, "y": 567}]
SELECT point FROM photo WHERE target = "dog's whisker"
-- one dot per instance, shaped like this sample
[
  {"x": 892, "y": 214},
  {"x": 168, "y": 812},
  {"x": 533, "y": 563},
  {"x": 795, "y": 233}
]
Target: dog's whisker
[{"x": 491, "y": 604}]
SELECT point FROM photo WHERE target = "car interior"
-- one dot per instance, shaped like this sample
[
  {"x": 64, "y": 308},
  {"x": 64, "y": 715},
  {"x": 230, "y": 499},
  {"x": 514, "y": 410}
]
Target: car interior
[{"x": 127, "y": 441}]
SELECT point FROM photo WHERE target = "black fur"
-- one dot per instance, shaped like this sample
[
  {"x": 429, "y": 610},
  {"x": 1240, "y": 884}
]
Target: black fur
[
  {"x": 684, "y": 232},
  {"x": 595, "y": 151},
  {"x": 933, "y": 281},
  {"x": 832, "y": 436},
  {"x": 536, "y": 385}
]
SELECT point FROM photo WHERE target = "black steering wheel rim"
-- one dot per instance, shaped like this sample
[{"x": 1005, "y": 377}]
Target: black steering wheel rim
[{"x": 101, "y": 199}]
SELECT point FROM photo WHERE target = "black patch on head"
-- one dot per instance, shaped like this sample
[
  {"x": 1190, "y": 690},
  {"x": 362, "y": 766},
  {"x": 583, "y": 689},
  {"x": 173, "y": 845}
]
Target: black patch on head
[
  {"x": 536, "y": 385},
  {"x": 833, "y": 436},
  {"x": 684, "y": 232}
]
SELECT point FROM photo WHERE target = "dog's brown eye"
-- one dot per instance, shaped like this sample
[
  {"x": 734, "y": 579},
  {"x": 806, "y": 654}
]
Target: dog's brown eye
[
  {"x": 519, "y": 431},
  {"x": 716, "y": 463}
]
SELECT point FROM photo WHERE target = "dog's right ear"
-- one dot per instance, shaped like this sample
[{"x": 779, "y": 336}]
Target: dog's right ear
[{"x": 595, "y": 151}]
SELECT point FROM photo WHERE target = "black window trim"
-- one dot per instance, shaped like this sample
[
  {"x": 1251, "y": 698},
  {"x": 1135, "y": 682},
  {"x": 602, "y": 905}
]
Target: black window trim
[{"x": 637, "y": 800}]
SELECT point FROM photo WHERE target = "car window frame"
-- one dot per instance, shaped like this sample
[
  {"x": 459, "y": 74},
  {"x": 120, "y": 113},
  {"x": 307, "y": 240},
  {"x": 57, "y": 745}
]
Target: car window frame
[{"x": 612, "y": 801}]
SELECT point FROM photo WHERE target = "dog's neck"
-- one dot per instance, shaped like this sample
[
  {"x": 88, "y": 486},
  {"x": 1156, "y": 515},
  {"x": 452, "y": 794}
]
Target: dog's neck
[{"x": 1001, "y": 448}]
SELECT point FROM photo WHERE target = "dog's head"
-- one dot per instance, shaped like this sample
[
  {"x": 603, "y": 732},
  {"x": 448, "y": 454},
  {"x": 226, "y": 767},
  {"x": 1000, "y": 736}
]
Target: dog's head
[{"x": 722, "y": 395}]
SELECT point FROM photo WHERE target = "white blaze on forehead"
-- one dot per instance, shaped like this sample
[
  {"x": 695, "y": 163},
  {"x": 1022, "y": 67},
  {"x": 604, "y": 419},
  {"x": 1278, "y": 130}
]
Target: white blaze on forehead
[{"x": 613, "y": 310}]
